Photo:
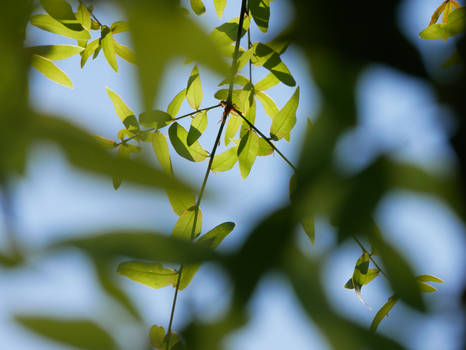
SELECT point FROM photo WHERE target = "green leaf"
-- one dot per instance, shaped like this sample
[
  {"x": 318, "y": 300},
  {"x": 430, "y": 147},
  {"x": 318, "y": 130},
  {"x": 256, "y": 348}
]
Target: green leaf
[
  {"x": 384, "y": 310},
  {"x": 260, "y": 10},
  {"x": 50, "y": 70},
  {"x": 178, "y": 137},
  {"x": 237, "y": 80},
  {"x": 80, "y": 334},
  {"x": 456, "y": 24},
  {"x": 105, "y": 142},
  {"x": 194, "y": 89},
  {"x": 220, "y": 7},
  {"x": 428, "y": 278},
  {"x": 269, "y": 81},
  {"x": 269, "y": 105},
  {"x": 453, "y": 60},
  {"x": 119, "y": 27},
  {"x": 309, "y": 228},
  {"x": 84, "y": 16},
  {"x": 62, "y": 12},
  {"x": 124, "y": 52},
  {"x": 233, "y": 125},
  {"x": 226, "y": 160},
  {"x": 426, "y": 288},
  {"x": 155, "y": 119},
  {"x": 153, "y": 275},
  {"x": 197, "y": 6},
  {"x": 198, "y": 125},
  {"x": 244, "y": 58},
  {"x": 175, "y": 104},
  {"x": 284, "y": 121},
  {"x": 123, "y": 112},
  {"x": 247, "y": 152},
  {"x": 89, "y": 50},
  {"x": 181, "y": 202},
  {"x": 50, "y": 24},
  {"x": 108, "y": 48},
  {"x": 55, "y": 52},
  {"x": 123, "y": 153},
  {"x": 156, "y": 336},
  {"x": 266, "y": 57},
  {"x": 160, "y": 146},
  {"x": 225, "y": 35},
  {"x": 184, "y": 226},
  {"x": 264, "y": 148}
]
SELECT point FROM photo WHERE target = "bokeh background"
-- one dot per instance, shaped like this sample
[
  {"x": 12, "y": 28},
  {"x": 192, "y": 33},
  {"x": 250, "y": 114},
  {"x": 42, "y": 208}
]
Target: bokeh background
[{"x": 398, "y": 114}]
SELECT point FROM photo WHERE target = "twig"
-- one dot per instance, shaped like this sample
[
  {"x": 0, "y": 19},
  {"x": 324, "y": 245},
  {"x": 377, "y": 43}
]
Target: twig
[{"x": 370, "y": 255}]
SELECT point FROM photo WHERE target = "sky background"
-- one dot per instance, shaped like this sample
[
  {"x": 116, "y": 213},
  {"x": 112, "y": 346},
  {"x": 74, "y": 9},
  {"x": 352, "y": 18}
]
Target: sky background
[{"x": 397, "y": 113}]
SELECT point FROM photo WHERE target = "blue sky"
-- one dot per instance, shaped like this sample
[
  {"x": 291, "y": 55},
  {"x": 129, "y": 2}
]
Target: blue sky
[{"x": 397, "y": 113}]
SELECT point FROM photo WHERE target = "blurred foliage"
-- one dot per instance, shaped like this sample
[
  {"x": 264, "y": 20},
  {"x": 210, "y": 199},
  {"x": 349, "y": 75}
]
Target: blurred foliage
[{"x": 337, "y": 45}]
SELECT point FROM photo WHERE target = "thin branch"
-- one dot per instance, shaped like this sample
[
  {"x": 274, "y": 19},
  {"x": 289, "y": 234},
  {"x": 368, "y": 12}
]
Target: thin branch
[
  {"x": 172, "y": 313},
  {"x": 370, "y": 256},
  {"x": 249, "y": 47}
]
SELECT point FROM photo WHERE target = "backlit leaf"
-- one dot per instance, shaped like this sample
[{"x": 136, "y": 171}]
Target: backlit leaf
[
  {"x": 264, "y": 148},
  {"x": 178, "y": 137},
  {"x": 119, "y": 27},
  {"x": 284, "y": 121},
  {"x": 123, "y": 112},
  {"x": 194, "y": 89},
  {"x": 157, "y": 335},
  {"x": 55, "y": 52},
  {"x": 225, "y": 35},
  {"x": 160, "y": 146},
  {"x": 50, "y": 70},
  {"x": 384, "y": 310},
  {"x": 233, "y": 125},
  {"x": 175, "y": 104},
  {"x": 62, "y": 12},
  {"x": 124, "y": 52},
  {"x": 437, "y": 13},
  {"x": 181, "y": 202},
  {"x": 89, "y": 50},
  {"x": 155, "y": 119},
  {"x": 266, "y": 57},
  {"x": 184, "y": 226},
  {"x": 50, "y": 24},
  {"x": 269, "y": 81},
  {"x": 269, "y": 105},
  {"x": 226, "y": 160},
  {"x": 197, "y": 6},
  {"x": 260, "y": 10},
  {"x": 153, "y": 275},
  {"x": 455, "y": 25},
  {"x": 108, "y": 48},
  {"x": 247, "y": 152},
  {"x": 198, "y": 125},
  {"x": 84, "y": 16},
  {"x": 220, "y": 7}
]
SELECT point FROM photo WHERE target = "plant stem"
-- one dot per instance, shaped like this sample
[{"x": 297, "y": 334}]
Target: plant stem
[
  {"x": 370, "y": 255},
  {"x": 172, "y": 313}
]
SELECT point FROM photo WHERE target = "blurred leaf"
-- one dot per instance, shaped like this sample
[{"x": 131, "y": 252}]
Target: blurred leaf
[
  {"x": 108, "y": 48},
  {"x": 264, "y": 148},
  {"x": 123, "y": 112},
  {"x": 247, "y": 152},
  {"x": 456, "y": 24},
  {"x": 198, "y": 125},
  {"x": 269, "y": 81},
  {"x": 160, "y": 146},
  {"x": 178, "y": 138},
  {"x": 184, "y": 226},
  {"x": 81, "y": 334},
  {"x": 244, "y": 58},
  {"x": 428, "y": 278},
  {"x": 124, "y": 52},
  {"x": 50, "y": 70},
  {"x": 89, "y": 50},
  {"x": 157, "y": 335},
  {"x": 175, "y": 104},
  {"x": 437, "y": 13},
  {"x": 84, "y": 16},
  {"x": 194, "y": 89},
  {"x": 284, "y": 121},
  {"x": 220, "y": 7},
  {"x": 453, "y": 60},
  {"x": 233, "y": 125},
  {"x": 269, "y": 105},
  {"x": 153, "y": 275},
  {"x": 50, "y": 24},
  {"x": 55, "y": 52},
  {"x": 197, "y": 6},
  {"x": 266, "y": 57},
  {"x": 123, "y": 153},
  {"x": 62, "y": 12},
  {"x": 226, "y": 160},
  {"x": 309, "y": 228},
  {"x": 155, "y": 119},
  {"x": 384, "y": 310},
  {"x": 260, "y": 10},
  {"x": 119, "y": 27}
]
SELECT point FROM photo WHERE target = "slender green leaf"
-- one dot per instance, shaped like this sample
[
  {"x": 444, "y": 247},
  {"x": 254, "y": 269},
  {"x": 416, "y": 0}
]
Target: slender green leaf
[
  {"x": 284, "y": 121},
  {"x": 269, "y": 105},
  {"x": 426, "y": 288},
  {"x": 50, "y": 70},
  {"x": 153, "y": 275},
  {"x": 81, "y": 334},
  {"x": 62, "y": 12},
  {"x": 260, "y": 10},
  {"x": 198, "y": 125},
  {"x": 309, "y": 228},
  {"x": 119, "y": 27},
  {"x": 264, "y": 148},
  {"x": 175, "y": 104},
  {"x": 244, "y": 58},
  {"x": 384, "y": 310},
  {"x": 124, "y": 52},
  {"x": 233, "y": 125},
  {"x": 220, "y": 7},
  {"x": 428, "y": 278},
  {"x": 123, "y": 153},
  {"x": 55, "y": 52},
  {"x": 123, "y": 112},
  {"x": 266, "y": 57},
  {"x": 197, "y": 6},
  {"x": 269, "y": 81},
  {"x": 178, "y": 137},
  {"x": 226, "y": 160},
  {"x": 437, "y": 13},
  {"x": 84, "y": 16},
  {"x": 160, "y": 146},
  {"x": 50, "y": 24},
  {"x": 108, "y": 48},
  {"x": 155, "y": 119},
  {"x": 184, "y": 226},
  {"x": 247, "y": 152},
  {"x": 89, "y": 50},
  {"x": 194, "y": 89},
  {"x": 97, "y": 51}
]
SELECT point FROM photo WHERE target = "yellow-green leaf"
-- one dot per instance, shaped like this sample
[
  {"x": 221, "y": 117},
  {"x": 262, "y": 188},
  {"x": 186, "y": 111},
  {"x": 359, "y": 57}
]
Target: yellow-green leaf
[
  {"x": 197, "y": 6},
  {"x": 198, "y": 125},
  {"x": 55, "y": 52},
  {"x": 260, "y": 10},
  {"x": 119, "y": 27},
  {"x": 284, "y": 121},
  {"x": 220, "y": 7},
  {"x": 89, "y": 50},
  {"x": 384, "y": 310},
  {"x": 247, "y": 152},
  {"x": 269, "y": 105},
  {"x": 437, "y": 13},
  {"x": 155, "y": 119},
  {"x": 269, "y": 81},
  {"x": 264, "y": 148},
  {"x": 309, "y": 228},
  {"x": 226, "y": 160},
  {"x": 124, "y": 52},
  {"x": 153, "y": 275},
  {"x": 268, "y": 58},
  {"x": 233, "y": 125},
  {"x": 194, "y": 89},
  {"x": 184, "y": 226},
  {"x": 123, "y": 112},
  {"x": 50, "y": 24},
  {"x": 175, "y": 104},
  {"x": 84, "y": 16},
  {"x": 108, "y": 48},
  {"x": 178, "y": 137},
  {"x": 455, "y": 24},
  {"x": 160, "y": 147},
  {"x": 156, "y": 336},
  {"x": 50, "y": 70},
  {"x": 225, "y": 35}
]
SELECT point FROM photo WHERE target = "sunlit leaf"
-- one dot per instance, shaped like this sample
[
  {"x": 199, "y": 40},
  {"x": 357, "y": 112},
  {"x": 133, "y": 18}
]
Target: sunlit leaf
[
  {"x": 269, "y": 81},
  {"x": 50, "y": 70},
  {"x": 62, "y": 12},
  {"x": 108, "y": 48},
  {"x": 178, "y": 137},
  {"x": 284, "y": 121},
  {"x": 194, "y": 89},
  {"x": 119, "y": 27},
  {"x": 181, "y": 202},
  {"x": 247, "y": 152},
  {"x": 81, "y": 334},
  {"x": 153, "y": 275},
  {"x": 260, "y": 10},
  {"x": 226, "y": 160},
  {"x": 264, "y": 148},
  {"x": 175, "y": 104},
  {"x": 198, "y": 125},
  {"x": 50, "y": 24},
  {"x": 123, "y": 112},
  {"x": 197, "y": 6},
  {"x": 437, "y": 13},
  {"x": 89, "y": 50},
  {"x": 220, "y": 7},
  {"x": 184, "y": 226},
  {"x": 455, "y": 25},
  {"x": 84, "y": 16},
  {"x": 160, "y": 146},
  {"x": 384, "y": 310},
  {"x": 233, "y": 125},
  {"x": 124, "y": 52},
  {"x": 238, "y": 80},
  {"x": 269, "y": 105},
  {"x": 155, "y": 119},
  {"x": 55, "y": 52},
  {"x": 225, "y": 35},
  {"x": 266, "y": 57}
]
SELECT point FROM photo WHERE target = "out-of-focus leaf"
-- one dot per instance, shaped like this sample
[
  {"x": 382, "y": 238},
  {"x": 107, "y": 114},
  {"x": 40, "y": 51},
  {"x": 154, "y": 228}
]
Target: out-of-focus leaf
[
  {"x": 50, "y": 70},
  {"x": 108, "y": 48},
  {"x": 309, "y": 228},
  {"x": 194, "y": 89},
  {"x": 220, "y": 7},
  {"x": 384, "y": 310},
  {"x": 160, "y": 146},
  {"x": 175, "y": 104},
  {"x": 155, "y": 119},
  {"x": 247, "y": 152},
  {"x": 453, "y": 60},
  {"x": 260, "y": 10},
  {"x": 428, "y": 278},
  {"x": 123, "y": 112},
  {"x": 198, "y": 7},
  {"x": 244, "y": 58},
  {"x": 119, "y": 27},
  {"x": 284, "y": 121},
  {"x": 81, "y": 334},
  {"x": 123, "y": 153},
  {"x": 266, "y": 57},
  {"x": 157, "y": 335},
  {"x": 50, "y": 24},
  {"x": 84, "y": 16},
  {"x": 455, "y": 24},
  {"x": 124, "y": 52},
  {"x": 264, "y": 148},
  {"x": 226, "y": 160},
  {"x": 178, "y": 137},
  {"x": 269, "y": 81},
  {"x": 198, "y": 125},
  {"x": 62, "y": 12},
  {"x": 89, "y": 50},
  {"x": 233, "y": 125},
  {"x": 153, "y": 275},
  {"x": 437, "y": 13},
  {"x": 184, "y": 226},
  {"x": 269, "y": 105},
  {"x": 55, "y": 52}
]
